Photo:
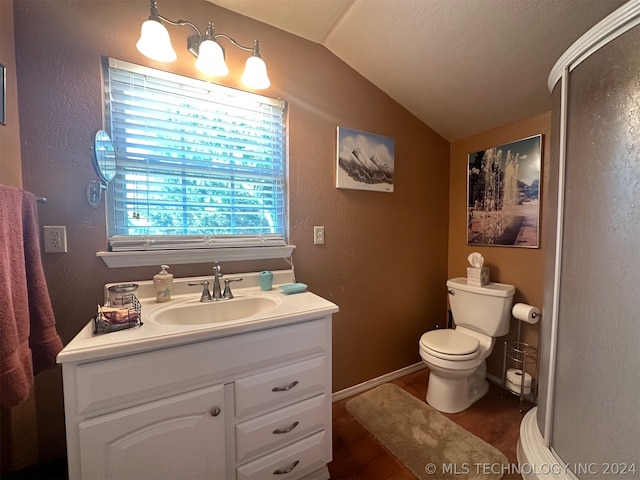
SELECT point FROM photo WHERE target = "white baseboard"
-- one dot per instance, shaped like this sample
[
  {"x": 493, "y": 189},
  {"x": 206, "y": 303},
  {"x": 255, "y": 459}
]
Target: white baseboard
[{"x": 374, "y": 382}]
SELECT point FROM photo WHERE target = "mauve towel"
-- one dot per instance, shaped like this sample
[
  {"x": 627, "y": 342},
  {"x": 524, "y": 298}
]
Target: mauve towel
[{"x": 29, "y": 341}]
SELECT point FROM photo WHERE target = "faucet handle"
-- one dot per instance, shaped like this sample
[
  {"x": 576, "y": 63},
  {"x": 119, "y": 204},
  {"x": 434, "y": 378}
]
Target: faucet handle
[
  {"x": 227, "y": 288},
  {"x": 206, "y": 295}
]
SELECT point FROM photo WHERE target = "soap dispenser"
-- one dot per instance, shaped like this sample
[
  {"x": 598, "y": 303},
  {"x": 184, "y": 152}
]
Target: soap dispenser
[{"x": 162, "y": 282}]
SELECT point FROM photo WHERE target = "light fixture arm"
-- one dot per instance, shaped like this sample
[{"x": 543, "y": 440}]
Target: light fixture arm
[
  {"x": 155, "y": 15},
  {"x": 233, "y": 42},
  {"x": 180, "y": 23}
]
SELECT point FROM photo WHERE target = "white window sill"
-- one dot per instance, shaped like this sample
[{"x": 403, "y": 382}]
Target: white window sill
[{"x": 198, "y": 255}]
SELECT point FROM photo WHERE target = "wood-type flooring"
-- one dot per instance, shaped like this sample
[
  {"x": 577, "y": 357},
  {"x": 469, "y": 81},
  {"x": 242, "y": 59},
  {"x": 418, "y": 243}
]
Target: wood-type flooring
[{"x": 358, "y": 455}]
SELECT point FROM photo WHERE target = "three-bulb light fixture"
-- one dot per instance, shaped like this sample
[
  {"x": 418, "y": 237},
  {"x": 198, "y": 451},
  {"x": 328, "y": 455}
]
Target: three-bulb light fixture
[{"x": 155, "y": 43}]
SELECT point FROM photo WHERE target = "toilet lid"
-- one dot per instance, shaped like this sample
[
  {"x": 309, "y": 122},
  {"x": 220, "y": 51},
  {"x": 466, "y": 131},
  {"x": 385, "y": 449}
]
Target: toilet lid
[{"x": 450, "y": 342}]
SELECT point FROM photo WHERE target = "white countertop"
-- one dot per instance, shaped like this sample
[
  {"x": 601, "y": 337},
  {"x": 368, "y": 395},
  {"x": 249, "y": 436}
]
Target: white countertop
[{"x": 87, "y": 346}]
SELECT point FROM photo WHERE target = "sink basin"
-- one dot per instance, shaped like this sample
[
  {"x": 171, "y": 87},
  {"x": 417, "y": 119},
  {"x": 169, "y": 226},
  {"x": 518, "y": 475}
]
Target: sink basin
[{"x": 220, "y": 311}]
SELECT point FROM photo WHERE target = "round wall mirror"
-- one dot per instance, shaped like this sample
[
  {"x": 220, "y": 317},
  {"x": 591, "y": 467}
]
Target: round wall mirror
[{"x": 105, "y": 156}]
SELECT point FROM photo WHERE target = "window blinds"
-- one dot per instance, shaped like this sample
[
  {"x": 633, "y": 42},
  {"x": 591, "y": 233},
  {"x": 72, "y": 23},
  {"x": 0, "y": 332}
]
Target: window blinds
[{"x": 198, "y": 165}]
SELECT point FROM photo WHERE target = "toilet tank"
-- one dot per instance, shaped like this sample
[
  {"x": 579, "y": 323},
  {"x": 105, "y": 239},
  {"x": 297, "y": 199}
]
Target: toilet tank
[{"x": 483, "y": 309}]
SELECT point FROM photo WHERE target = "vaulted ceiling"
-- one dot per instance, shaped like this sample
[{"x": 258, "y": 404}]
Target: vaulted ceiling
[{"x": 461, "y": 66}]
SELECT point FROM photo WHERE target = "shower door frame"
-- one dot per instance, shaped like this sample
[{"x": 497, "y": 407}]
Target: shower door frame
[{"x": 620, "y": 21}]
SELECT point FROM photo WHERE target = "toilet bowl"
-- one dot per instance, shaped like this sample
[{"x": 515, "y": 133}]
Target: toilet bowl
[
  {"x": 456, "y": 361},
  {"x": 456, "y": 358}
]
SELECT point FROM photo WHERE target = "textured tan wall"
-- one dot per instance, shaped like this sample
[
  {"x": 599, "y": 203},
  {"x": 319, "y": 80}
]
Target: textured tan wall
[
  {"x": 20, "y": 424},
  {"x": 521, "y": 267},
  {"x": 10, "y": 164},
  {"x": 384, "y": 261}
]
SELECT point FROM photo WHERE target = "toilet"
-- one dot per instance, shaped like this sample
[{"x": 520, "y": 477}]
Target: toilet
[{"x": 456, "y": 357}]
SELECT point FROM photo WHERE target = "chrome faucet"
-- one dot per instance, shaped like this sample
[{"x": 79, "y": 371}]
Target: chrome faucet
[{"x": 216, "y": 293}]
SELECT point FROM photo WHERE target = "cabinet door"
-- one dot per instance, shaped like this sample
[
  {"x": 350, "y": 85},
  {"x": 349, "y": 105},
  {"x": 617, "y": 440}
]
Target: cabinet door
[{"x": 178, "y": 437}]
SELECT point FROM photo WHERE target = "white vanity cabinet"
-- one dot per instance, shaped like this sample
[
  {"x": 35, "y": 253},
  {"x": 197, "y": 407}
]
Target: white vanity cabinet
[
  {"x": 177, "y": 437},
  {"x": 252, "y": 405}
]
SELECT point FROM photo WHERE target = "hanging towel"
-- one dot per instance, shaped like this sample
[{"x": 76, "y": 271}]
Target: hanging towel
[{"x": 29, "y": 341}]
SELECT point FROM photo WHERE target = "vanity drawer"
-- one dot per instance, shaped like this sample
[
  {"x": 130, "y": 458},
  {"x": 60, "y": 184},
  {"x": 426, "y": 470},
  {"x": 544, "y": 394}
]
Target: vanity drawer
[
  {"x": 281, "y": 386},
  {"x": 294, "y": 461},
  {"x": 273, "y": 430},
  {"x": 107, "y": 385}
]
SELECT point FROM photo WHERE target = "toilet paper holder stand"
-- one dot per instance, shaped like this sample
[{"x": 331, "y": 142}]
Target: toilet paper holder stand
[{"x": 523, "y": 358}]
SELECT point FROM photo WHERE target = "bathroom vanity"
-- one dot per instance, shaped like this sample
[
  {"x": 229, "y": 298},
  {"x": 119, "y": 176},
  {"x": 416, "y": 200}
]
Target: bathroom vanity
[{"x": 238, "y": 399}]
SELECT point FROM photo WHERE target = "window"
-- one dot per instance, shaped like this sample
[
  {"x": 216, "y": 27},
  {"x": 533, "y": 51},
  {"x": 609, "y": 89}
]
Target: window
[{"x": 198, "y": 165}]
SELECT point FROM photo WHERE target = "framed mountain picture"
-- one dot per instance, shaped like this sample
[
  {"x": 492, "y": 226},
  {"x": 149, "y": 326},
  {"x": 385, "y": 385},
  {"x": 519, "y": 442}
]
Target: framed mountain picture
[{"x": 364, "y": 161}]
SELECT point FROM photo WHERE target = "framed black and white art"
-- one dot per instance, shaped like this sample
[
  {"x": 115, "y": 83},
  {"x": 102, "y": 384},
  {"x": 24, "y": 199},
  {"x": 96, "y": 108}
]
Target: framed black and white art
[{"x": 365, "y": 161}]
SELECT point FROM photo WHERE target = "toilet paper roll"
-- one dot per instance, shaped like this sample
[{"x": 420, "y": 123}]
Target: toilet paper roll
[
  {"x": 526, "y": 313},
  {"x": 514, "y": 381}
]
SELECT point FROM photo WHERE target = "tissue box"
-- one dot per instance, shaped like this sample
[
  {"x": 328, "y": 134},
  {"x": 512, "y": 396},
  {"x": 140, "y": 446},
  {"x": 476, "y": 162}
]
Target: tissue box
[{"x": 478, "y": 277}]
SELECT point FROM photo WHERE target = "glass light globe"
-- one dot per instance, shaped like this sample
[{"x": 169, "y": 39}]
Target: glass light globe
[
  {"x": 210, "y": 59},
  {"x": 255, "y": 74},
  {"x": 155, "y": 42}
]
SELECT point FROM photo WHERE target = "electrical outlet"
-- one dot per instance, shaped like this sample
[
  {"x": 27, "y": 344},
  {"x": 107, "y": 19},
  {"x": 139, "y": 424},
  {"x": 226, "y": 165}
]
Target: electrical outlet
[
  {"x": 54, "y": 239},
  {"x": 318, "y": 235}
]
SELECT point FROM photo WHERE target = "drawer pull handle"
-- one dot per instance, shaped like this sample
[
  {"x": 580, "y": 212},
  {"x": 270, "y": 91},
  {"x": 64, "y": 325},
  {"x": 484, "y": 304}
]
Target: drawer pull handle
[
  {"x": 279, "y": 431},
  {"x": 215, "y": 412},
  {"x": 285, "y": 389},
  {"x": 289, "y": 469}
]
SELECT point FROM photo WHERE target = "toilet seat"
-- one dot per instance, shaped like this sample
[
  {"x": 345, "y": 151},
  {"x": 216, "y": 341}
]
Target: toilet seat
[{"x": 449, "y": 344}]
